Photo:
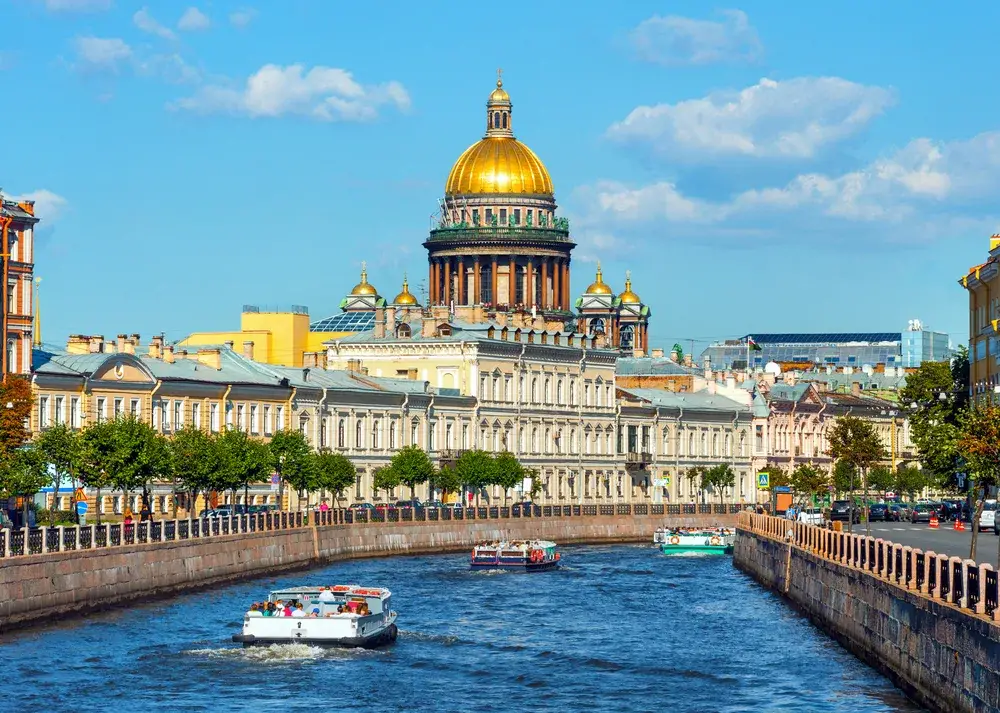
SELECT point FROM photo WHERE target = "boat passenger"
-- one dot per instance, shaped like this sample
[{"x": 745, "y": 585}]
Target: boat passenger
[
  {"x": 313, "y": 614},
  {"x": 298, "y": 612},
  {"x": 326, "y": 596}
]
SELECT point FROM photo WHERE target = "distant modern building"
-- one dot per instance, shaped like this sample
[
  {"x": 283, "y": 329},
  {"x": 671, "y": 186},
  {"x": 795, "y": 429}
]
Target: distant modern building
[{"x": 875, "y": 350}]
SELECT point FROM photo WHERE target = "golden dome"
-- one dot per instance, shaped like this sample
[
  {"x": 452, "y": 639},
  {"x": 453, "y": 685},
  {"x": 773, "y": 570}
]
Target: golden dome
[
  {"x": 498, "y": 164},
  {"x": 628, "y": 296},
  {"x": 499, "y": 95},
  {"x": 405, "y": 298},
  {"x": 363, "y": 288},
  {"x": 598, "y": 287}
]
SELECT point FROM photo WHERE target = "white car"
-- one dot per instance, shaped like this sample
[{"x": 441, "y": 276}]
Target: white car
[
  {"x": 989, "y": 515},
  {"x": 811, "y": 516}
]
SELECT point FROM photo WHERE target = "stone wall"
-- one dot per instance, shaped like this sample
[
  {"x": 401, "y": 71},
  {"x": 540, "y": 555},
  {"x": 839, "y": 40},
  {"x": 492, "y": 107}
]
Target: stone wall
[
  {"x": 944, "y": 658},
  {"x": 40, "y": 588}
]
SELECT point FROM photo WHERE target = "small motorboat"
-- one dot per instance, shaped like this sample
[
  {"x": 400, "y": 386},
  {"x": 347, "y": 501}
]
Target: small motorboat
[
  {"x": 517, "y": 555},
  {"x": 345, "y": 615},
  {"x": 682, "y": 541}
]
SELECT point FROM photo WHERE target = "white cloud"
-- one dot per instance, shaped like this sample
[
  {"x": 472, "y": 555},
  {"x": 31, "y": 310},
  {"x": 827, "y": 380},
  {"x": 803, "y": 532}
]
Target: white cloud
[
  {"x": 674, "y": 40},
  {"x": 170, "y": 68},
  {"x": 242, "y": 17},
  {"x": 147, "y": 23},
  {"x": 193, "y": 20},
  {"x": 49, "y": 206},
  {"x": 102, "y": 53},
  {"x": 76, "y": 5},
  {"x": 923, "y": 190},
  {"x": 792, "y": 119},
  {"x": 323, "y": 93}
]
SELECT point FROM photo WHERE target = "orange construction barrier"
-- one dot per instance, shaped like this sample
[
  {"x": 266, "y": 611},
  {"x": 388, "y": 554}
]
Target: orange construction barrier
[
  {"x": 959, "y": 525},
  {"x": 934, "y": 522}
]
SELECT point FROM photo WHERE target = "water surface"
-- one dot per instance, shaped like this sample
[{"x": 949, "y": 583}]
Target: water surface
[{"x": 617, "y": 628}]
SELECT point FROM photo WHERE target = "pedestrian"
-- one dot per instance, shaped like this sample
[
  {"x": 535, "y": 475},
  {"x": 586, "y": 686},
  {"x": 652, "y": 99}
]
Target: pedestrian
[{"x": 144, "y": 514}]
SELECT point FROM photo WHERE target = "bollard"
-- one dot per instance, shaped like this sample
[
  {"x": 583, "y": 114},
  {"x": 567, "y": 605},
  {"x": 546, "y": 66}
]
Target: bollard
[
  {"x": 981, "y": 604},
  {"x": 929, "y": 558},
  {"x": 61, "y": 531},
  {"x": 908, "y": 562},
  {"x": 45, "y": 539},
  {"x": 77, "y": 544}
]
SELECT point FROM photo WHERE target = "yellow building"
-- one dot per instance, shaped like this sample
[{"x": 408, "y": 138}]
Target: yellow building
[{"x": 984, "y": 323}]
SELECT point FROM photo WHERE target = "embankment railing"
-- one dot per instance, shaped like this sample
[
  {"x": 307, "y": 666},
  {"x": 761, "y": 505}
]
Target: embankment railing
[
  {"x": 42, "y": 540},
  {"x": 961, "y": 582}
]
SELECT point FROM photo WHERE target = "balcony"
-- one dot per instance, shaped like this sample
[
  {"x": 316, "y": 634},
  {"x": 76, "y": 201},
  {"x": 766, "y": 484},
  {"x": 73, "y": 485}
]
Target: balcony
[
  {"x": 450, "y": 456},
  {"x": 477, "y": 233},
  {"x": 636, "y": 460}
]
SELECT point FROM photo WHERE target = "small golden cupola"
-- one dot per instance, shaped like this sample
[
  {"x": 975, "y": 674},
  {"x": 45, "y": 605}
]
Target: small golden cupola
[
  {"x": 404, "y": 298},
  {"x": 363, "y": 287},
  {"x": 597, "y": 287},
  {"x": 628, "y": 296}
]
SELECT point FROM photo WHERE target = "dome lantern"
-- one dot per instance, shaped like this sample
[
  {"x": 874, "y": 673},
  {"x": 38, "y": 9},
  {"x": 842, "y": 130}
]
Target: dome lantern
[
  {"x": 628, "y": 296},
  {"x": 363, "y": 288},
  {"x": 597, "y": 287},
  {"x": 498, "y": 111}
]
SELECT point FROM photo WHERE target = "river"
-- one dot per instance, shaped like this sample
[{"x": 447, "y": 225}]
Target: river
[{"x": 617, "y": 628}]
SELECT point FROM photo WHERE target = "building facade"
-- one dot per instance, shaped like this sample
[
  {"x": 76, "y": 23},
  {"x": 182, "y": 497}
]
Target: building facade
[
  {"x": 17, "y": 231},
  {"x": 984, "y": 325}
]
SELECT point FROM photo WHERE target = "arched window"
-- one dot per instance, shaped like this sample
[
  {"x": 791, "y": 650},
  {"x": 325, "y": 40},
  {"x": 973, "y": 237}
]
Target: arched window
[
  {"x": 534, "y": 390},
  {"x": 559, "y": 392},
  {"x": 572, "y": 441},
  {"x": 359, "y": 435},
  {"x": 341, "y": 436},
  {"x": 704, "y": 444},
  {"x": 715, "y": 444},
  {"x": 496, "y": 120},
  {"x": 376, "y": 427},
  {"x": 392, "y": 435},
  {"x": 691, "y": 448},
  {"x": 743, "y": 444},
  {"x": 415, "y": 432},
  {"x": 403, "y": 331},
  {"x": 520, "y": 441},
  {"x": 572, "y": 392},
  {"x": 534, "y": 440},
  {"x": 547, "y": 446},
  {"x": 548, "y": 391},
  {"x": 11, "y": 352},
  {"x": 505, "y": 120},
  {"x": 729, "y": 445},
  {"x": 666, "y": 442}
]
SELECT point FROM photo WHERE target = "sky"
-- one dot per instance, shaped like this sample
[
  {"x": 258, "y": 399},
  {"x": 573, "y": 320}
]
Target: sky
[{"x": 761, "y": 167}]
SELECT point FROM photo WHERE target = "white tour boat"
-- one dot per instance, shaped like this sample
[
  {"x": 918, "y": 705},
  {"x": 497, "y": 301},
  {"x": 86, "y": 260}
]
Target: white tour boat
[
  {"x": 344, "y": 615},
  {"x": 521, "y": 555}
]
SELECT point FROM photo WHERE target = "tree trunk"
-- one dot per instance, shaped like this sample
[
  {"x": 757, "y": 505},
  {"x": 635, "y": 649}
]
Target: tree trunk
[
  {"x": 979, "y": 495},
  {"x": 56, "y": 482},
  {"x": 99, "y": 503},
  {"x": 850, "y": 509},
  {"x": 246, "y": 497},
  {"x": 868, "y": 521}
]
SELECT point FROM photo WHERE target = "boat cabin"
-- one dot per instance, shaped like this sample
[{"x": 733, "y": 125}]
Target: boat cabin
[{"x": 350, "y": 596}]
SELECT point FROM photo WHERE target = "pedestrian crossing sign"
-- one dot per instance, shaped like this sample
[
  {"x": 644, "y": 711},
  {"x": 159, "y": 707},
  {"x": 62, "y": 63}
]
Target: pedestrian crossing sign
[{"x": 763, "y": 481}]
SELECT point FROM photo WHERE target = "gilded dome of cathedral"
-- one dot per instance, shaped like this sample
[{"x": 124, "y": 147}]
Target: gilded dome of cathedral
[
  {"x": 363, "y": 288},
  {"x": 498, "y": 163},
  {"x": 598, "y": 287},
  {"x": 404, "y": 298},
  {"x": 628, "y": 296}
]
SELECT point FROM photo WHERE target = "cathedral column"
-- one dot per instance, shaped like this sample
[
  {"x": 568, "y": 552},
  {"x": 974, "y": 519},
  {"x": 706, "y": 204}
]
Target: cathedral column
[
  {"x": 545, "y": 283},
  {"x": 529, "y": 284},
  {"x": 434, "y": 281},
  {"x": 512, "y": 285},
  {"x": 567, "y": 298},
  {"x": 461, "y": 289},
  {"x": 557, "y": 283},
  {"x": 494, "y": 298},
  {"x": 447, "y": 281},
  {"x": 477, "y": 297}
]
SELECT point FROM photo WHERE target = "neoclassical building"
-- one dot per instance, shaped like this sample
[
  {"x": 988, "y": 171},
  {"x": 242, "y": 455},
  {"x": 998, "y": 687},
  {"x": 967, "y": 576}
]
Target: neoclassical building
[{"x": 17, "y": 232}]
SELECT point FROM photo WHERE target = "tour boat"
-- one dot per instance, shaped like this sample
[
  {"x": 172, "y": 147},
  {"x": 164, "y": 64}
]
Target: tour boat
[
  {"x": 694, "y": 541},
  {"x": 518, "y": 555},
  {"x": 353, "y": 617}
]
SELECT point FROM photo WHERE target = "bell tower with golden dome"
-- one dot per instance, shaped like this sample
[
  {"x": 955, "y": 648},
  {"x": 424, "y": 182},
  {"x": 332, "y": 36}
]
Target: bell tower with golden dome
[
  {"x": 498, "y": 242},
  {"x": 622, "y": 320}
]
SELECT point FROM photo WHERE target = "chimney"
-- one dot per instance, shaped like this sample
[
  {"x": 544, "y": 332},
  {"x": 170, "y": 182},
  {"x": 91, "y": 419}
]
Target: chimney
[
  {"x": 638, "y": 353},
  {"x": 212, "y": 358},
  {"x": 78, "y": 344},
  {"x": 134, "y": 340},
  {"x": 121, "y": 343},
  {"x": 656, "y": 353},
  {"x": 321, "y": 360},
  {"x": 427, "y": 325},
  {"x": 248, "y": 350},
  {"x": 711, "y": 387},
  {"x": 230, "y": 344},
  {"x": 354, "y": 365},
  {"x": 309, "y": 360},
  {"x": 97, "y": 344},
  {"x": 156, "y": 347},
  {"x": 673, "y": 357},
  {"x": 305, "y": 374},
  {"x": 379, "y": 323},
  {"x": 688, "y": 360},
  {"x": 390, "y": 321},
  {"x": 856, "y": 388},
  {"x": 411, "y": 374},
  {"x": 168, "y": 353}
]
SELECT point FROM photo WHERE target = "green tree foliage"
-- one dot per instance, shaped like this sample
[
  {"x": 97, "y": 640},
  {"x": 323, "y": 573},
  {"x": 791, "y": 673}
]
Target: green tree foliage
[
  {"x": 881, "y": 479},
  {"x": 855, "y": 441},
  {"x": 536, "y": 482},
  {"x": 910, "y": 480},
  {"x": 476, "y": 470},
  {"x": 23, "y": 474},
  {"x": 61, "y": 447},
  {"x": 243, "y": 461},
  {"x": 935, "y": 396},
  {"x": 845, "y": 477},
  {"x": 412, "y": 467},
  {"x": 16, "y": 402},
  {"x": 448, "y": 480},
  {"x": 696, "y": 478},
  {"x": 777, "y": 476},
  {"x": 197, "y": 462},
  {"x": 98, "y": 456},
  {"x": 334, "y": 472},
  {"x": 293, "y": 461},
  {"x": 508, "y": 472},
  {"x": 979, "y": 447},
  {"x": 385, "y": 479},
  {"x": 718, "y": 478},
  {"x": 808, "y": 481}
]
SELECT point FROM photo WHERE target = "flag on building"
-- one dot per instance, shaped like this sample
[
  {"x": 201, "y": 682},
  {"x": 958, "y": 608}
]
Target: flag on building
[{"x": 752, "y": 345}]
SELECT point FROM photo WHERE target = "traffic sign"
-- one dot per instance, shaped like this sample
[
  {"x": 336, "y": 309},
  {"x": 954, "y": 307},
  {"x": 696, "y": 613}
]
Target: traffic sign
[
  {"x": 763, "y": 480},
  {"x": 80, "y": 495},
  {"x": 81, "y": 507},
  {"x": 782, "y": 489}
]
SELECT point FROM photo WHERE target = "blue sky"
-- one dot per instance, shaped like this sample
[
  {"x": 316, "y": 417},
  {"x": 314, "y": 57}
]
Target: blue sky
[{"x": 763, "y": 167}]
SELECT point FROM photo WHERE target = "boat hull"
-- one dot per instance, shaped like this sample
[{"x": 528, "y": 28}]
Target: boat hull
[
  {"x": 382, "y": 637},
  {"x": 668, "y": 549},
  {"x": 516, "y": 566}
]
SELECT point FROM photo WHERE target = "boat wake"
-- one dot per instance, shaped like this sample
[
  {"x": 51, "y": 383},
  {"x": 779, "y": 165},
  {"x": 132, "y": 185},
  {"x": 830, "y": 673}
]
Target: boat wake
[{"x": 277, "y": 653}]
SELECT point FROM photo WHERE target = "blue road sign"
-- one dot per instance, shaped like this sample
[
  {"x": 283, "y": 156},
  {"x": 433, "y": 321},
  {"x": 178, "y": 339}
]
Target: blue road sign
[
  {"x": 81, "y": 507},
  {"x": 782, "y": 489}
]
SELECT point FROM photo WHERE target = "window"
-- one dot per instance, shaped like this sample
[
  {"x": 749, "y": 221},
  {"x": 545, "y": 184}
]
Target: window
[
  {"x": 178, "y": 415},
  {"x": 43, "y": 412},
  {"x": 119, "y": 407},
  {"x": 133, "y": 408},
  {"x": 704, "y": 444},
  {"x": 431, "y": 428},
  {"x": 586, "y": 394},
  {"x": 483, "y": 389},
  {"x": 196, "y": 415},
  {"x": 11, "y": 298},
  {"x": 729, "y": 445},
  {"x": 743, "y": 444},
  {"x": 11, "y": 353},
  {"x": 534, "y": 391},
  {"x": 465, "y": 435},
  {"x": 517, "y": 211},
  {"x": 239, "y": 417},
  {"x": 548, "y": 391},
  {"x": 102, "y": 409},
  {"x": 267, "y": 420},
  {"x": 534, "y": 440},
  {"x": 447, "y": 436},
  {"x": 415, "y": 433},
  {"x": 359, "y": 434},
  {"x": 715, "y": 444},
  {"x": 254, "y": 427},
  {"x": 559, "y": 392},
  {"x": 213, "y": 415},
  {"x": 376, "y": 428},
  {"x": 74, "y": 412},
  {"x": 758, "y": 438},
  {"x": 281, "y": 418},
  {"x": 60, "y": 415},
  {"x": 475, "y": 216},
  {"x": 392, "y": 435},
  {"x": 691, "y": 448}
]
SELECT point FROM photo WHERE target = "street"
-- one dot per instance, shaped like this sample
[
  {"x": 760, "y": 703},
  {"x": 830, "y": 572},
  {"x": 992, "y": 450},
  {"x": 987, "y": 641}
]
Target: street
[{"x": 944, "y": 540}]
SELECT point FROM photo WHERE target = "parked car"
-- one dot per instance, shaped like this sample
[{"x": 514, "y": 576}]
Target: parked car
[
  {"x": 922, "y": 512},
  {"x": 879, "y": 512},
  {"x": 433, "y": 504},
  {"x": 899, "y": 512},
  {"x": 988, "y": 518},
  {"x": 383, "y": 508},
  {"x": 359, "y": 507},
  {"x": 811, "y": 516},
  {"x": 844, "y": 510},
  {"x": 415, "y": 504}
]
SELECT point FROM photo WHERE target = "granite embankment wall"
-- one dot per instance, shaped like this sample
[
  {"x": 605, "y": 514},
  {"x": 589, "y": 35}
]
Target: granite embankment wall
[
  {"x": 39, "y": 588},
  {"x": 943, "y": 657}
]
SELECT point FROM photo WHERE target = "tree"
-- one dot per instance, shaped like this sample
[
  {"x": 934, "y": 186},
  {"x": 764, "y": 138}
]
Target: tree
[
  {"x": 508, "y": 472},
  {"x": 385, "y": 479},
  {"x": 718, "y": 477},
  {"x": 845, "y": 475},
  {"x": 856, "y": 442},
  {"x": 61, "y": 447},
  {"x": 244, "y": 460},
  {"x": 334, "y": 472},
  {"x": 910, "y": 480},
  {"x": 809, "y": 481},
  {"x": 197, "y": 460},
  {"x": 16, "y": 401},
  {"x": 979, "y": 446},
  {"x": 23, "y": 474},
  {"x": 448, "y": 480},
  {"x": 476, "y": 470},
  {"x": 98, "y": 456},
  {"x": 292, "y": 460},
  {"x": 412, "y": 467},
  {"x": 137, "y": 456},
  {"x": 696, "y": 479},
  {"x": 536, "y": 482},
  {"x": 881, "y": 479},
  {"x": 777, "y": 476}
]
